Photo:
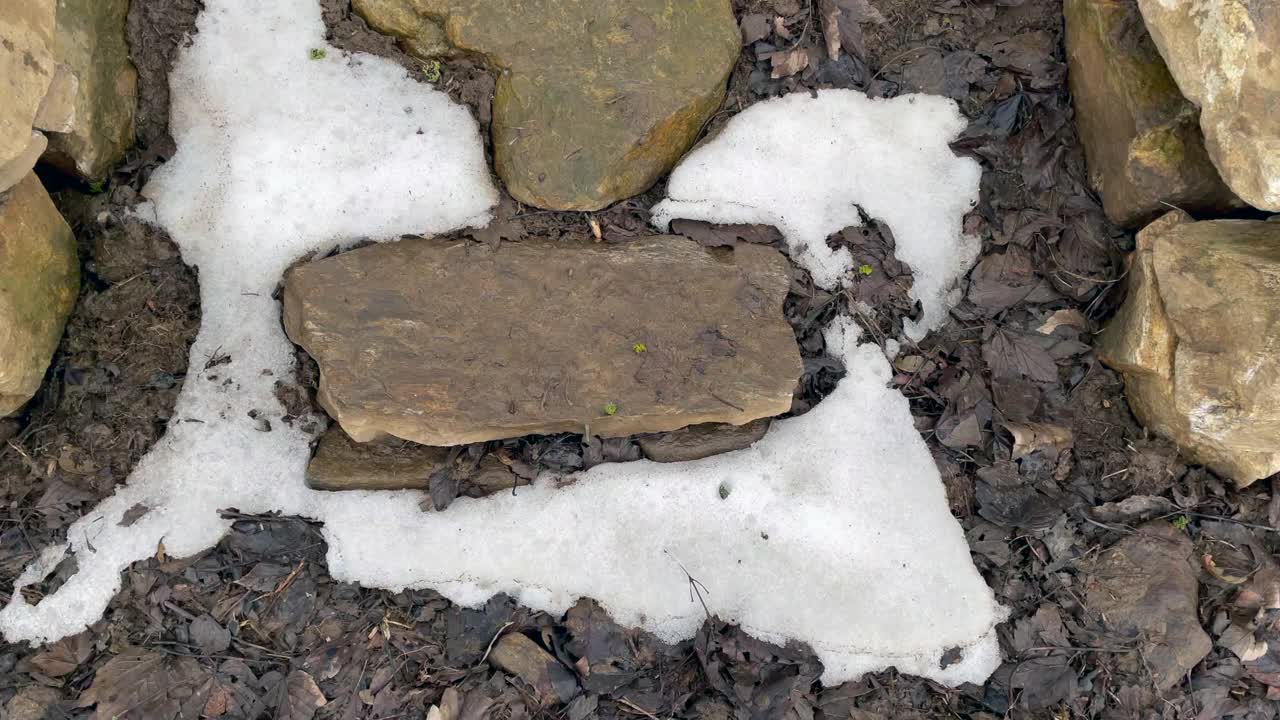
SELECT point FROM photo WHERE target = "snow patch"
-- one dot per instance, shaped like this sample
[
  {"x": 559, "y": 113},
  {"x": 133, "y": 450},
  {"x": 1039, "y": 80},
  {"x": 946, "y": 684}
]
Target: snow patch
[
  {"x": 835, "y": 530},
  {"x": 805, "y": 164}
]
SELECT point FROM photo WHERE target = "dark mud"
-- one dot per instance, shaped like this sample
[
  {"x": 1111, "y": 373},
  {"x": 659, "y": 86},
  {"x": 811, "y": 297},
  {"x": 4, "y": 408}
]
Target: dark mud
[{"x": 256, "y": 627}]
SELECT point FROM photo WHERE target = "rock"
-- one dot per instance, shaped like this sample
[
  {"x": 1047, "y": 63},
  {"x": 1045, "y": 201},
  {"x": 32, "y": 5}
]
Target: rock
[
  {"x": 595, "y": 99},
  {"x": 515, "y": 653},
  {"x": 342, "y": 464},
  {"x": 1196, "y": 341},
  {"x": 699, "y": 441},
  {"x": 1141, "y": 136},
  {"x": 449, "y": 343},
  {"x": 1145, "y": 586},
  {"x": 27, "y": 69},
  {"x": 39, "y": 281},
  {"x": 1223, "y": 55},
  {"x": 90, "y": 41}
]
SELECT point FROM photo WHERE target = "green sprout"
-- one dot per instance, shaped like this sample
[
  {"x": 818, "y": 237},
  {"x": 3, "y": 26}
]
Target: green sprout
[
  {"x": 639, "y": 348},
  {"x": 611, "y": 408},
  {"x": 432, "y": 71},
  {"x": 318, "y": 53},
  {"x": 865, "y": 269},
  {"x": 1181, "y": 522},
  {"x": 97, "y": 187}
]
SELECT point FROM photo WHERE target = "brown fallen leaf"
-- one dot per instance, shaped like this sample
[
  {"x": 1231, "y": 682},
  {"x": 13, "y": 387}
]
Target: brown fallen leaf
[
  {"x": 754, "y": 27},
  {"x": 64, "y": 656},
  {"x": 1214, "y": 570},
  {"x": 1242, "y": 643},
  {"x": 1034, "y": 437},
  {"x": 788, "y": 62},
  {"x": 302, "y": 697},
  {"x": 1069, "y": 317},
  {"x": 142, "y": 684},
  {"x": 842, "y": 22}
]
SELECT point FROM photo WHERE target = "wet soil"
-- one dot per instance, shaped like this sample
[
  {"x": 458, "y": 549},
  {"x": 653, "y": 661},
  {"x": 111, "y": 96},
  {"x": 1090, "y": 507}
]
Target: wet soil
[{"x": 256, "y": 627}]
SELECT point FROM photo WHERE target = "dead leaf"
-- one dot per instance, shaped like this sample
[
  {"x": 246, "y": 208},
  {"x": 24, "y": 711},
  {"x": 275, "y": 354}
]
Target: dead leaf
[
  {"x": 64, "y": 656},
  {"x": 302, "y": 697},
  {"x": 1002, "y": 280},
  {"x": 1069, "y": 317},
  {"x": 1212, "y": 567},
  {"x": 788, "y": 62},
  {"x": 1011, "y": 354},
  {"x": 754, "y": 27},
  {"x": 1242, "y": 642},
  {"x": 211, "y": 637},
  {"x": 141, "y": 684},
  {"x": 842, "y": 22},
  {"x": 1031, "y": 437},
  {"x": 133, "y": 514}
]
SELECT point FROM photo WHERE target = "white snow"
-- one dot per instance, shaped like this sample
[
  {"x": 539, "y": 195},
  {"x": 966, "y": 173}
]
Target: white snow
[
  {"x": 806, "y": 164},
  {"x": 835, "y": 530}
]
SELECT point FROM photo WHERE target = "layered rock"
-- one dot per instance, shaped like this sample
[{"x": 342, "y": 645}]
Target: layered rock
[
  {"x": 1197, "y": 341},
  {"x": 1145, "y": 587},
  {"x": 699, "y": 441},
  {"x": 90, "y": 42},
  {"x": 1141, "y": 136},
  {"x": 595, "y": 99},
  {"x": 39, "y": 280},
  {"x": 1224, "y": 56},
  {"x": 448, "y": 343}
]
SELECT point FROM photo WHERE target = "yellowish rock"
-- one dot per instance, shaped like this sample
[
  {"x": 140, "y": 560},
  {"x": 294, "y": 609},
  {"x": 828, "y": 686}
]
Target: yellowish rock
[
  {"x": 39, "y": 280},
  {"x": 1141, "y": 136},
  {"x": 90, "y": 42},
  {"x": 1225, "y": 55},
  {"x": 1198, "y": 341},
  {"x": 27, "y": 69},
  {"x": 595, "y": 99}
]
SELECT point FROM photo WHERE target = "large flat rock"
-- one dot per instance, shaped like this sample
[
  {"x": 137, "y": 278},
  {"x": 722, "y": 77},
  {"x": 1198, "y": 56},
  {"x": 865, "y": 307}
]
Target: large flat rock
[
  {"x": 447, "y": 343},
  {"x": 39, "y": 280},
  {"x": 595, "y": 99},
  {"x": 1196, "y": 341},
  {"x": 27, "y": 69},
  {"x": 1223, "y": 53},
  {"x": 1141, "y": 136}
]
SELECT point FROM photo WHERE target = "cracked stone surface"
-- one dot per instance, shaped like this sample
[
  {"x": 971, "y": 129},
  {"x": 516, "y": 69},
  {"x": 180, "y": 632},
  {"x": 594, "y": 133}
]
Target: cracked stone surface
[
  {"x": 595, "y": 99},
  {"x": 447, "y": 343}
]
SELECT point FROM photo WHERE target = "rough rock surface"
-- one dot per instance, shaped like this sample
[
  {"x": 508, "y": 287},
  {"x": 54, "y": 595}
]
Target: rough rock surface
[
  {"x": 700, "y": 441},
  {"x": 90, "y": 41},
  {"x": 1197, "y": 340},
  {"x": 342, "y": 464},
  {"x": 524, "y": 658},
  {"x": 1223, "y": 53},
  {"x": 1145, "y": 586},
  {"x": 448, "y": 343},
  {"x": 39, "y": 280},
  {"x": 595, "y": 99},
  {"x": 27, "y": 69},
  {"x": 1141, "y": 136}
]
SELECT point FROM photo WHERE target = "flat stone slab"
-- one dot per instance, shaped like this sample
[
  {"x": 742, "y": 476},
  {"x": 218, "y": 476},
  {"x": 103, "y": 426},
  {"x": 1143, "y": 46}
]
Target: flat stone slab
[
  {"x": 448, "y": 343},
  {"x": 595, "y": 99}
]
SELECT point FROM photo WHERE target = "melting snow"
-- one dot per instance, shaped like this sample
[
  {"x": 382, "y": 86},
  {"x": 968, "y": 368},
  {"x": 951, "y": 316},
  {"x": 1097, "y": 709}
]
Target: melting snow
[
  {"x": 834, "y": 531},
  {"x": 806, "y": 164}
]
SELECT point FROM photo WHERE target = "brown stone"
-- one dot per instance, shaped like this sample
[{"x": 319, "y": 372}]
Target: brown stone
[
  {"x": 1145, "y": 586},
  {"x": 1141, "y": 136},
  {"x": 699, "y": 441},
  {"x": 1196, "y": 341},
  {"x": 391, "y": 464},
  {"x": 39, "y": 280},
  {"x": 595, "y": 99},
  {"x": 1225, "y": 56},
  {"x": 449, "y": 343},
  {"x": 90, "y": 41},
  {"x": 27, "y": 69},
  {"x": 517, "y": 654}
]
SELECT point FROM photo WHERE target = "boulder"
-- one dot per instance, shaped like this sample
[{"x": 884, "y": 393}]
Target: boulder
[
  {"x": 448, "y": 343},
  {"x": 1141, "y": 136},
  {"x": 551, "y": 681},
  {"x": 90, "y": 42},
  {"x": 1196, "y": 341},
  {"x": 1145, "y": 587},
  {"x": 699, "y": 441},
  {"x": 1223, "y": 54},
  {"x": 595, "y": 99},
  {"x": 27, "y": 69},
  {"x": 39, "y": 281}
]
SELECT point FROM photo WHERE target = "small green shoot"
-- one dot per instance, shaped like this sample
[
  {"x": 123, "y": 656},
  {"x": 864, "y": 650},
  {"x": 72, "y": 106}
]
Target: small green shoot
[
  {"x": 865, "y": 269},
  {"x": 97, "y": 187},
  {"x": 318, "y": 53},
  {"x": 611, "y": 409},
  {"x": 1181, "y": 522},
  {"x": 639, "y": 348},
  {"x": 432, "y": 71}
]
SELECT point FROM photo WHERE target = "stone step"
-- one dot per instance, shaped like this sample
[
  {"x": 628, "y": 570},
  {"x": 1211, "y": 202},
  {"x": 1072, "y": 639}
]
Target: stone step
[{"x": 448, "y": 343}]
